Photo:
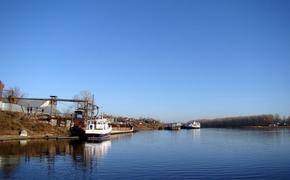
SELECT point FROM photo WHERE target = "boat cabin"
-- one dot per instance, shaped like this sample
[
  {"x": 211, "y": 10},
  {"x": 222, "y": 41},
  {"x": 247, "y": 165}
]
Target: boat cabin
[
  {"x": 79, "y": 114},
  {"x": 97, "y": 124}
]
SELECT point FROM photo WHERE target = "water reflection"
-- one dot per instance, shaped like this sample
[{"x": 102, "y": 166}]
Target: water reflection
[
  {"x": 23, "y": 142},
  {"x": 81, "y": 155},
  {"x": 195, "y": 134},
  {"x": 200, "y": 154},
  {"x": 122, "y": 137},
  {"x": 13, "y": 153},
  {"x": 8, "y": 165},
  {"x": 96, "y": 150}
]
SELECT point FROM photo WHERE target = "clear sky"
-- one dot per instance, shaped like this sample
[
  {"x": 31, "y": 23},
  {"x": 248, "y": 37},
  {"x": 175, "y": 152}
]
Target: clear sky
[{"x": 174, "y": 60}]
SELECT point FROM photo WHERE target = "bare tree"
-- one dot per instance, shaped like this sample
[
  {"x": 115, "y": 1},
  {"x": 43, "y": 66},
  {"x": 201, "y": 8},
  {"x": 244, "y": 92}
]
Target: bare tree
[
  {"x": 13, "y": 93},
  {"x": 87, "y": 106},
  {"x": 84, "y": 95}
]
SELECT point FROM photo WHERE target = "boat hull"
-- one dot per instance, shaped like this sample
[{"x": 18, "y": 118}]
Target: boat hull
[
  {"x": 92, "y": 137},
  {"x": 189, "y": 127},
  {"x": 173, "y": 128},
  {"x": 78, "y": 131},
  {"x": 97, "y": 137}
]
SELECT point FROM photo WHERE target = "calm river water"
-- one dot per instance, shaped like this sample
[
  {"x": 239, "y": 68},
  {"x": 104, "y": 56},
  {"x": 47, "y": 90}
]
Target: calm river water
[{"x": 185, "y": 154}]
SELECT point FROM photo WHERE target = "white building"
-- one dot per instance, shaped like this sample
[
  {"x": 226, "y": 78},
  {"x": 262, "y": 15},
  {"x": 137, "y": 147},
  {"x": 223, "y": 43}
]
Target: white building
[{"x": 28, "y": 106}]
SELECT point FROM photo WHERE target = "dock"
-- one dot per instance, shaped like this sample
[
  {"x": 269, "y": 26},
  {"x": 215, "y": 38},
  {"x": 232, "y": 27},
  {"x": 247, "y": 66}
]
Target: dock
[
  {"x": 122, "y": 131},
  {"x": 53, "y": 137},
  {"x": 12, "y": 138}
]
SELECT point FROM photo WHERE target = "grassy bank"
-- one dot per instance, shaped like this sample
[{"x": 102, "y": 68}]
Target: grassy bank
[{"x": 11, "y": 123}]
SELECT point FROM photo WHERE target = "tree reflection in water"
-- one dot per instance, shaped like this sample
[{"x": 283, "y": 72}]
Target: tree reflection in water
[
  {"x": 53, "y": 155},
  {"x": 12, "y": 154}
]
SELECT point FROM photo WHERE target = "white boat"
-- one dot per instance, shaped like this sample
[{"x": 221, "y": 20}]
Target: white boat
[
  {"x": 98, "y": 129},
  {"x": 193, "y": 125}
]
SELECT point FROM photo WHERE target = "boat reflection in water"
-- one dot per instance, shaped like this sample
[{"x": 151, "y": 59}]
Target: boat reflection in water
[
  {"x": 196, "y": 133},
  {"x": 96, "y": 150}
]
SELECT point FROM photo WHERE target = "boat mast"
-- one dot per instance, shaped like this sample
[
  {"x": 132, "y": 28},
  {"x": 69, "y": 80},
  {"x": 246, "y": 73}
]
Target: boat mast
[{"x": 93, "y": 106}]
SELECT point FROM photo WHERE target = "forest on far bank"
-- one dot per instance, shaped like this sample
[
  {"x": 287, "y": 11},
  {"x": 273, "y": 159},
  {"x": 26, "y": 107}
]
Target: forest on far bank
[{"x": 246, "y": 121}]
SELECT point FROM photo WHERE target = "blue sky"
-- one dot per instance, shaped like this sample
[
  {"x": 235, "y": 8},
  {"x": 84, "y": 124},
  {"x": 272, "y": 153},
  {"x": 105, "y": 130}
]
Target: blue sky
[{"x": 174, "y": 60}]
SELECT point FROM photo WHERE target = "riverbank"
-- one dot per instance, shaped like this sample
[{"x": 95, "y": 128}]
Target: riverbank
[
  {"x": 15, "y": 137},
  {"x": 11, "y": 123}
]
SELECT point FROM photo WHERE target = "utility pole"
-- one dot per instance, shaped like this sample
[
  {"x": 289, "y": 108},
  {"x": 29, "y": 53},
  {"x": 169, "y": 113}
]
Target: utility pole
[{"x": 53, "y": 103}]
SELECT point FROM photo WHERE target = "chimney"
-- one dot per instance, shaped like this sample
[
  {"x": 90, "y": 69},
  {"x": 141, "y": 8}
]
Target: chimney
[{"x": 1, "y": 90}]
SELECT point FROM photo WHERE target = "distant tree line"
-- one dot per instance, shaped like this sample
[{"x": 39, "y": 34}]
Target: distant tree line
[
  {"x": 242, "y": 121},
  {"x": 130, "y": 119}
]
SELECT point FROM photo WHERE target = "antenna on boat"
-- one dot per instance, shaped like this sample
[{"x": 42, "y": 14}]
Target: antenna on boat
[{"x": 95, "y": 107}]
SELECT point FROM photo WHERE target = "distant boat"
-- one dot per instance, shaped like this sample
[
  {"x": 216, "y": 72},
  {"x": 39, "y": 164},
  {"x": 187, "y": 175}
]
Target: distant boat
[
  {"x": 192, "y": 125},
  {"x": 173, "y": 126},
  {"x": 98, "y": 130}
]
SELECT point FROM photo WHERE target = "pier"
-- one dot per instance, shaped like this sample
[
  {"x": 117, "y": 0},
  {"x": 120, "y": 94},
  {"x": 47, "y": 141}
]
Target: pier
[
  {"x": 53, "y": 137},
  {"x": 124, "y": 131}
]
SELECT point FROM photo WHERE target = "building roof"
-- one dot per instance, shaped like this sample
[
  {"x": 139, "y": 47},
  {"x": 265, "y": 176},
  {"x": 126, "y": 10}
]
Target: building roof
[{"x": 31, "y": 103}]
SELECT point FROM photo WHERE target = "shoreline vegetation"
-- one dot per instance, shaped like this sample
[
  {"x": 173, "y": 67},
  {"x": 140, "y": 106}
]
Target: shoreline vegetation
[
  {"x": 11, "y": 123},
  {"x": 257, "y": 121}
]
